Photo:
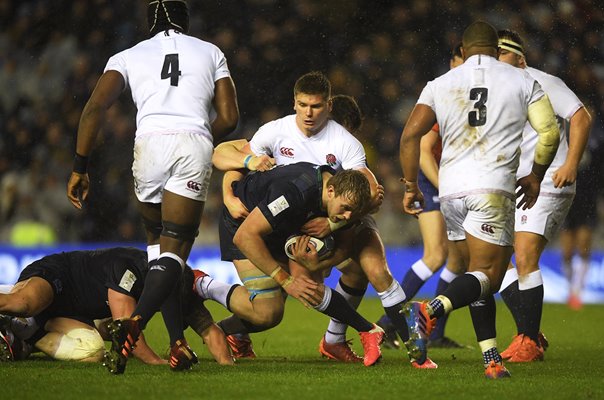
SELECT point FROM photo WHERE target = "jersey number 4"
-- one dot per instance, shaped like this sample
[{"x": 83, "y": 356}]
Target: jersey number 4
[
  {"x": 170, "y": 69},
  {"x": 478, "y": 116}
]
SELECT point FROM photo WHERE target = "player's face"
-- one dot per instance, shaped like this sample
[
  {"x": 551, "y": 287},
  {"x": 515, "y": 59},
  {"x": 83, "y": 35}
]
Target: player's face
[
  {"x": 312, "y": 112},
  {"x": 513, "y": 59},
  {"x": 339, "y": 208}
]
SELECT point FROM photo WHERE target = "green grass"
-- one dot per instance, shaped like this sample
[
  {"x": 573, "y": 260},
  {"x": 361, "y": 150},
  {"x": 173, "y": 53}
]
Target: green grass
[{"x": 289, "y": 367}]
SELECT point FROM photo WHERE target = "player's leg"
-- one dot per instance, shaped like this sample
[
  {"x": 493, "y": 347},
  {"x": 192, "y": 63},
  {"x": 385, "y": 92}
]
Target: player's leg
[
  {"x": 584, "y": 242},
  {"x": 335, "y": 305},
  {"x": 71, "y": 340},
  {"x": 27, "y": 297},
  {"x": 352, "y": 286},
  {"x": 455, "y": 267}
]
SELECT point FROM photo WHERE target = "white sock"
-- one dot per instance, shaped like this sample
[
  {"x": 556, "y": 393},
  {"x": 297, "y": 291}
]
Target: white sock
[
  {"x": 511, "y": 276},
  {"x": 393, "y": 295},
  {"x": 422, "y": 270},
  {"x": 209, "y": 288},
  {"x": 447, "y": 275},
  {"x": 152, "y": 252},
  {"x": 336, "y": 330},
  {"x": 530, "y": 281}
]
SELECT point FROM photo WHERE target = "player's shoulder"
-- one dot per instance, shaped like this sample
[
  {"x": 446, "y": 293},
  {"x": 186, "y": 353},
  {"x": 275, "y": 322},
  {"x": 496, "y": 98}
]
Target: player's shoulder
[
  {"x": 544, "y": 78},
  {"x": 279, "y": 125}
]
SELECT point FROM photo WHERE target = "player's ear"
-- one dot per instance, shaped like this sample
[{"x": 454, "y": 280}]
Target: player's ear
[{"x": 329, "y": 104}]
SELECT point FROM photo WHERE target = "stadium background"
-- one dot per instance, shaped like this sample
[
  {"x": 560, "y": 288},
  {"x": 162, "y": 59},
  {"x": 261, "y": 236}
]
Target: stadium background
[{"x": 51, "y": 54}]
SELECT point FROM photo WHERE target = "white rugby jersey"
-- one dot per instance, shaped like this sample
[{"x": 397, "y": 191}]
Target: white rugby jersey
[
  {"x": 481, "y": 108},
  {"x": 333, "y": 145},
  {"x": 565, "y": 104},
  {"x": 171, "y": 77}
]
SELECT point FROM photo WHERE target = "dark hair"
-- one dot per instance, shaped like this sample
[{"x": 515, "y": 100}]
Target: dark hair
[
  {"x": 313, "y": 83},
  {"x": 513, "y": 41},
  {"x": 167, "y": 14},
  {"x": 353, "y": 185},
  {"x": 346, "y": 112}
]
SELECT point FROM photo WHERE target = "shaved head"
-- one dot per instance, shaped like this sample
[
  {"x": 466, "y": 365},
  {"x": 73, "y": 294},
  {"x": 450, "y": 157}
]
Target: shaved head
[{"x": 478, "y": 37}]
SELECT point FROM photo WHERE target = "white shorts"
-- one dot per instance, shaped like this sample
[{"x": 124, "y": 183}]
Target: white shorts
[
  {"x": 545, "y": 217},
  {"x": 489, "y": 217},
  {"x": 180, "y": 163}
]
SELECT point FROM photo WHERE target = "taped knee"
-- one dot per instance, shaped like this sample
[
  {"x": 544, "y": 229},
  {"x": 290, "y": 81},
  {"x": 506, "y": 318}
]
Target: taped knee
[
  {"x": 485, "y": 283},
  {"x": 185, "y": 233},
  {"x": 261, "y": 286},
  {"x": 80, "y": 344}
]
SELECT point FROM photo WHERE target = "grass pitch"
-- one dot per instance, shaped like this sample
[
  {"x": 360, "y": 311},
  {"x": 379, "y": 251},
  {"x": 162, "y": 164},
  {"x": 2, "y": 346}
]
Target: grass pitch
[{"x": 289, "y": 367}]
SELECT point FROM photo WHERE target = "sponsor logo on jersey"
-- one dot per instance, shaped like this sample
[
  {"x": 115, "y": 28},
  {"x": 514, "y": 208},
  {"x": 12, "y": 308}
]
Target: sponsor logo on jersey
[
  {"x": 287, "y": 152},
  {"x": 330, "y": 159},
  {"x": 194, "y": 186},
  {"x": 278, "y": 205},
  {"x": 127, "y": 280},
  {"x": 523, "y": 219},
  {"x": 488, "y": 229}
]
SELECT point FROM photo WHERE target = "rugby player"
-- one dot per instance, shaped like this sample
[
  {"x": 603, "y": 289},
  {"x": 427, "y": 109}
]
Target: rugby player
[
  {"x": 522, "y": 287},
  {"x": 481, "y": 107},
  {"x": 437, "y": 248},
  {"x": 281, "y": 201},
  {"x": 67, "y": 297},
  {"x": 310, "y": 135},
  {"x": 185, "y": 98}
]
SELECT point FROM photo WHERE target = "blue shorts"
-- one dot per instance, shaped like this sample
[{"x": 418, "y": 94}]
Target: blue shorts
[{"x": 432, "y": 202}]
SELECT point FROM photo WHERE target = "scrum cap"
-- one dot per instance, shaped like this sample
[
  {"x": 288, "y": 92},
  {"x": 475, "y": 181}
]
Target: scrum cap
[
  {"x": 480, "y": 34},
  {"x": 167, "y": 14}
]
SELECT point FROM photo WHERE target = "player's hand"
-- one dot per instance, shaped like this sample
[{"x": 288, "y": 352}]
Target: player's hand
[
  {"x": 413, "y": 199},
  {"x": 527, "y": 190},
  {"x": 77, "y": 189},
  {"x": 377, "y": 200},
  {"x": 305, "y": 290},
  {"x": 261, "y": 163},
  {"x": 317, "y": 227},
  {"x": 236, "y": 208},
  {"x": 566, "y": 175},
  {"x": 305, "y": 253}
]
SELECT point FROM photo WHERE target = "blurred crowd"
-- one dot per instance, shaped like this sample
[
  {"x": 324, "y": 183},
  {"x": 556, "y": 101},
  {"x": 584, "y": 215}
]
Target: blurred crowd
[{"x": 382, "y": 53}]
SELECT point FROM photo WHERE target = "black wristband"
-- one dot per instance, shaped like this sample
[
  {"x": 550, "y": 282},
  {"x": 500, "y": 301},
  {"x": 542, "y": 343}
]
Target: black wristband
[{"x": 80, "y": 164}]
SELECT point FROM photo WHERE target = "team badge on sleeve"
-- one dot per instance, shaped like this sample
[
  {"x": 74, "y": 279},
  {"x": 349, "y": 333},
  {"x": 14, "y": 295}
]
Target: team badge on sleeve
[
  {"x": 330, "y": 159},
  {"x": 127, "y": 280},
  {"x": 278, "y": 205}
]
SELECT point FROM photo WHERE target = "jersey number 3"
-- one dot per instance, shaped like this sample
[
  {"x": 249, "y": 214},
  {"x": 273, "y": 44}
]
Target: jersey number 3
[
  {"x": 478, "y": 116},
  {"x": 170, "y": 69}
]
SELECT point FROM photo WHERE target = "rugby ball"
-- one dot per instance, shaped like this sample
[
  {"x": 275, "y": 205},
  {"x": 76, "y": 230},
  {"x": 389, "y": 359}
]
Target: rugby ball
[{"x": 324, "y": 246}]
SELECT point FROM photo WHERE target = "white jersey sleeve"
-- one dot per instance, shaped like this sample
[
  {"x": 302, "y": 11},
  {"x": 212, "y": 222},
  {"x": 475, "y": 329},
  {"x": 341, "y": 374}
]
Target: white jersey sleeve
[{"x": 565, "y": 104}]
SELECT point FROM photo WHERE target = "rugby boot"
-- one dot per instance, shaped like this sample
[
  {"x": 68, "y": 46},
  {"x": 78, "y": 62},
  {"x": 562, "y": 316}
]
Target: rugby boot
[
  {"x": 527, "y": 351},
  {"x": 420, "y": 325},
  {"x": 496, "y": 371},
  {"x": 241, "y": 345},
  {"x": 371, "y": 342},
  {"x": 6, "y": 346},
  {"x": 428, "y": 364},
  {"x": 339, "y": 351},
  {"x": 182, "y": 357},
  {"x": 517, "y": 340},
  {"x": 124, "y": 334}
]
